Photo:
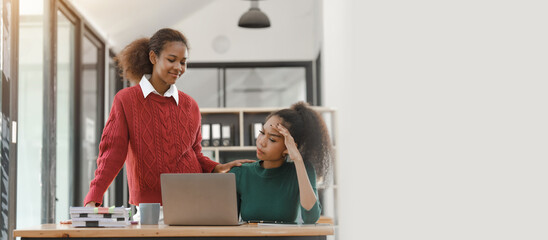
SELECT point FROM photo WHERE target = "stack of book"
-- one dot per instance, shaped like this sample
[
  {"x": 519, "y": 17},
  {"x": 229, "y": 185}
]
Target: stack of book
[{"x": 100, "y": 216}]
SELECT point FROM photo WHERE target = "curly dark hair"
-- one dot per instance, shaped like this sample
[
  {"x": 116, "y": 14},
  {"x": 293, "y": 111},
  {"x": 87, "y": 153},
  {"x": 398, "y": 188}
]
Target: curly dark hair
[
  {"x": 310, "y": 134},
  {"x": 134, "y": 60}
]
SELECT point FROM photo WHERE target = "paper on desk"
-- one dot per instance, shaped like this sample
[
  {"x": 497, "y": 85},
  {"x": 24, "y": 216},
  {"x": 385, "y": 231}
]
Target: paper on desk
[{"x": 292, "y": 224}]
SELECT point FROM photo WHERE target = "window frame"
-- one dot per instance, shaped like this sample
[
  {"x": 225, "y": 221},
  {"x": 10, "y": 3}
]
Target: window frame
[{"x": 311, "y": 90}]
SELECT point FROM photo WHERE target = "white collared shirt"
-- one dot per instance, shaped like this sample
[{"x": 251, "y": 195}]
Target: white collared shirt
[{"x": 147, "y": 88}]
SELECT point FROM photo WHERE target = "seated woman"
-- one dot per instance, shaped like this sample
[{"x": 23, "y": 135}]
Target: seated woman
[{"x": 276, "y": 188}]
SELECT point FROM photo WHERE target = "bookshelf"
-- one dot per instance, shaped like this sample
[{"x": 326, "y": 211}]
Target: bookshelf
[{"x": 243, "y": 146}]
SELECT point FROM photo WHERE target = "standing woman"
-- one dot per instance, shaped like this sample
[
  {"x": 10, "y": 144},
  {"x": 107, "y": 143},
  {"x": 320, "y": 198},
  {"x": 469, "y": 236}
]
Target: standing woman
[
  {"x": 152, "y": 127},
  {"x": 275, "y": 189}
]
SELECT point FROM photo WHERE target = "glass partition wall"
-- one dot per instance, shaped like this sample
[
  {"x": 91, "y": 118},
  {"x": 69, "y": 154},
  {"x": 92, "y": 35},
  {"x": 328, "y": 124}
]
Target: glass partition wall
[
  {"x": 68, "y": 78},
  {"x": 193, "y": 81},
  {"x": 251, "y": 84},
  {"x": 30, "y": 141},
  {"x": 90, "y": 110},
  {"x": 65, "y": 86},
  {"x": 265, "y": 87}
]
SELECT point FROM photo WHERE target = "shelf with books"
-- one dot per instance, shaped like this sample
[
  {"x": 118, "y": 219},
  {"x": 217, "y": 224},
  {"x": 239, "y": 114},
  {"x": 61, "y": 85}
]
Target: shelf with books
[{"x": 236, "y": 129}]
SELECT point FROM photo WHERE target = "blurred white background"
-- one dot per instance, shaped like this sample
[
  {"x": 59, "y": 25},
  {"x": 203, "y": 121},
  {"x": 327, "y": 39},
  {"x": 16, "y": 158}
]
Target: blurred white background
[{"x": 443, "y": 117}]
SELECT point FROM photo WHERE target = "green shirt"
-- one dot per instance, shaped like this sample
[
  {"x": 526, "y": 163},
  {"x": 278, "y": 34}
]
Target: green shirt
[{"x": 273, "y": 194}]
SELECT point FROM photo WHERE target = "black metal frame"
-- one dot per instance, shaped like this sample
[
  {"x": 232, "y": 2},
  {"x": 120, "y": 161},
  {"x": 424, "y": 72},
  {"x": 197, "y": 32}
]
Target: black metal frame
[
  {"x": 311, "y": 93},
  {"x": 318, "y": 90},
  {"x": 49, "y": 101},
  {"x": 12, "y": 113}
]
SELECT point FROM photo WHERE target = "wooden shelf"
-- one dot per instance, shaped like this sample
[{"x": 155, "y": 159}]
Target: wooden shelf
[{"x": 256, "y": 110}]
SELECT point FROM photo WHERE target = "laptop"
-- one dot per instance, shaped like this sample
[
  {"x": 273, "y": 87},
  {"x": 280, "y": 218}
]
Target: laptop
[{"x": 199, "y": 199}]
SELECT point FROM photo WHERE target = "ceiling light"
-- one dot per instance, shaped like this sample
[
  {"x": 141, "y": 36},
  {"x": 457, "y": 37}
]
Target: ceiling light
[{"x": 254, "y": 18}]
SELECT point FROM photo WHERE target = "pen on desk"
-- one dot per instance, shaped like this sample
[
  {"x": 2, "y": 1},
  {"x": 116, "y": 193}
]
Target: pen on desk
[{"x": 263, "y": 221}]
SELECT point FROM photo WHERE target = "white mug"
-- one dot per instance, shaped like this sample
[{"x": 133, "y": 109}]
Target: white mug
[{"x": 150, "y": 213}]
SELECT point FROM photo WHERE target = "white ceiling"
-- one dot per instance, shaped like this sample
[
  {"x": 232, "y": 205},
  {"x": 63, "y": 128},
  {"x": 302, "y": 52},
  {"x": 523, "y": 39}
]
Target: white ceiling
[
  {"x": 293, "y": 35},
  {"x": 122, "y": 21}
]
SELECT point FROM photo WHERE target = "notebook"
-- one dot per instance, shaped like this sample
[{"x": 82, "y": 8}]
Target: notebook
[{"x": 199, "y": 199}]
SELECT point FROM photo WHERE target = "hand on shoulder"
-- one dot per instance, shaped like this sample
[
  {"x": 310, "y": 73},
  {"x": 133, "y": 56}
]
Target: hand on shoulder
[{"x": 223, "y": 168}]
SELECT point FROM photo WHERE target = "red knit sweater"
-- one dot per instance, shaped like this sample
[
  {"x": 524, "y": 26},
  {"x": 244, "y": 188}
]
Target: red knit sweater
[{"x": 152, "y": 136}]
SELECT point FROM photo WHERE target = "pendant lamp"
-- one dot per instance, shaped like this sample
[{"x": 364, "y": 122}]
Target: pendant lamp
[{"x": 254, "y": 17}]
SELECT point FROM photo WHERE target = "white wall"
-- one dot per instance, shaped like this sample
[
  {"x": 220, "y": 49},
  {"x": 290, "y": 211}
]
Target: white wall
[{"x": 443, "y": 120}]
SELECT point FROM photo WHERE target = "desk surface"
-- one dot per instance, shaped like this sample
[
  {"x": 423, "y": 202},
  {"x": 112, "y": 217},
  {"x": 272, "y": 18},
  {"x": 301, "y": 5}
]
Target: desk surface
[{"x": 66, "y": 230}]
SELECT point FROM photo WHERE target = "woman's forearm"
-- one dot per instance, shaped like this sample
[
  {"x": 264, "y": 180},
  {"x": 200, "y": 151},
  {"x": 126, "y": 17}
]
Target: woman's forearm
[{"x": 306, "y": 193}]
